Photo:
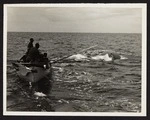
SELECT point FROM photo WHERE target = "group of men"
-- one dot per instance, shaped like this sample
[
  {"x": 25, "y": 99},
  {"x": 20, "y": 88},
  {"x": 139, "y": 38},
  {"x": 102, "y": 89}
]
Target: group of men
[{"x": 33, "y": 54}]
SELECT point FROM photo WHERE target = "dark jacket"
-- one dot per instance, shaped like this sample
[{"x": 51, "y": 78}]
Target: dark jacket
[
  {"x": 33, "y": 54},
  {"x": 30, "y": 45}
]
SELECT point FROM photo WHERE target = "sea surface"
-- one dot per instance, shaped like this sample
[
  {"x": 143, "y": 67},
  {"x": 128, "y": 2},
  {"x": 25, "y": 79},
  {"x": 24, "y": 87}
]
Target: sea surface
[{"x": 79, "y": 86}]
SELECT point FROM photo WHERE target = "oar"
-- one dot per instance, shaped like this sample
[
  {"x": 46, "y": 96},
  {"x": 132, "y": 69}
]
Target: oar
[
  {"x": 87, "y": 48},
  {"x": 73, "y": 53}
]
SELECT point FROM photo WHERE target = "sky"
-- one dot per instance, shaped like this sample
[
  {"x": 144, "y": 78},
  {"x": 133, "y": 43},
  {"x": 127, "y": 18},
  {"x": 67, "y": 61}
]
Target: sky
[{"x": 74, "y": 19}]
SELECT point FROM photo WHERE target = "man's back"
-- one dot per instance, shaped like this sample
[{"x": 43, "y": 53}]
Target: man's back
[
  {"x": 30, "y": 45},
  {"x": 34, "y": 54}
]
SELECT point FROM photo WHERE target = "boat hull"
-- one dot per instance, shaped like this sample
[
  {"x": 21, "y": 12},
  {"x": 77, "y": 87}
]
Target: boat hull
[{"x": 33, "y": 73}]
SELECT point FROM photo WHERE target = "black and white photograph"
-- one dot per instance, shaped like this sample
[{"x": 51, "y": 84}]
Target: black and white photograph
[{"x": 75, "y": 59}]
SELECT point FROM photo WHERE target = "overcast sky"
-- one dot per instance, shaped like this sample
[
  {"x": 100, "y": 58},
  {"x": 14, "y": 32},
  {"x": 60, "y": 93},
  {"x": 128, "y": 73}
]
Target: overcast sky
[{"x": 74, "y": 19}]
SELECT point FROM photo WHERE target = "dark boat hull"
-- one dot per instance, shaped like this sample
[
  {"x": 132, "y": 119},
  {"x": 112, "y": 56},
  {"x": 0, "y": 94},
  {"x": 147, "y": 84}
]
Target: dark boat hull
[{"x": 32, "y": 73}]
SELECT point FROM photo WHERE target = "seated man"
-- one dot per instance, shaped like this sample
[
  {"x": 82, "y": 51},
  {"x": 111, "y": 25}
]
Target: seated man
[{"x": 45, "y": 60}]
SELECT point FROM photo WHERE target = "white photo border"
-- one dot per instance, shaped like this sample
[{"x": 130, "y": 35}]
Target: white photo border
[{"x": 143, "y": 6}]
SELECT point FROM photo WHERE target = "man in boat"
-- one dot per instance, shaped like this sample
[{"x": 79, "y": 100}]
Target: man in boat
[
  {"x": 45, "y": 61},
  {"x": 30, "y": 45},
  {"x": 34, "y": 54}
]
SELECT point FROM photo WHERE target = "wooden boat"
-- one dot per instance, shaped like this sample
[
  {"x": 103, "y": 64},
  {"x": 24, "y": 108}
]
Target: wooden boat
[
  {"x": 39, "y": 77},
  {"x": 32, "y": 72}
]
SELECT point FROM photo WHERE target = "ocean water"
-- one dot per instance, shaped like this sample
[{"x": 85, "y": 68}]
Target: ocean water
[{"x": 85, "y": 86}]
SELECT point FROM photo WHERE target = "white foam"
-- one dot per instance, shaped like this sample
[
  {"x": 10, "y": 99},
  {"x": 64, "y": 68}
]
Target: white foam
[
  {"x": 102, "y": 57},
  {"x": 78, "y": 57},
  {"x": 40, "y": 94},
  {"x": 105, "y": 57},
  {"x": 123, "y": 58},
  {"x": 72, "y": 81}
]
